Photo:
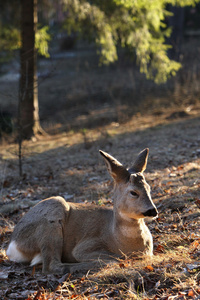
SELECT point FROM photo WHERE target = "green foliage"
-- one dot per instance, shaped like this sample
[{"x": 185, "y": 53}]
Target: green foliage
[
  {"x": 91, "y": 22},
  {"x": 9, "y": 41},
  {"x": 138, "y": 25},
  {"x": 9, "y": 29},
  {"x": 42, "y": 38},
  {"x": 9, "y": 38}
]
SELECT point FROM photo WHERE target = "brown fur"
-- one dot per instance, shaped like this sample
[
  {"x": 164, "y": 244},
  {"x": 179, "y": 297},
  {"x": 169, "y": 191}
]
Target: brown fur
[{"x": 66, "y": 236}]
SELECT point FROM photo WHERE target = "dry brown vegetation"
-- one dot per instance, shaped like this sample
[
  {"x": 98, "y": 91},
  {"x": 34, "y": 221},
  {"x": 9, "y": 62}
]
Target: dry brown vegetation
[{"x": 66, "y": 162}]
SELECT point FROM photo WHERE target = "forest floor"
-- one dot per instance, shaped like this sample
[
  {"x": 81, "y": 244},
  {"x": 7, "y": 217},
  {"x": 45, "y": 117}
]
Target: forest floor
[
  {"x": 66, "y": 162},
  {"x": 70, "y": 165}
]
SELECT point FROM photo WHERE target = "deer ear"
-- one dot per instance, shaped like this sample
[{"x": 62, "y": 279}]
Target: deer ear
[
  {"x": 115, "y": 168},
  {"x": 141, "y": 162}
]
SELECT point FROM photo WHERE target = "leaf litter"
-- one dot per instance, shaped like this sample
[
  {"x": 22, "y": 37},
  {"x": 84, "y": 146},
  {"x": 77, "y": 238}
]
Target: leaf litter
[{"x": 79, "y": 175}]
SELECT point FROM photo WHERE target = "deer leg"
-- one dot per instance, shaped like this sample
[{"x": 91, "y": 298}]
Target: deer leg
[
  {"x": 92, "y": 249},
  {"x": 90, "y": 255},
  {"x": 51, "y": 247},
  {"x": 86, "y": 266}
]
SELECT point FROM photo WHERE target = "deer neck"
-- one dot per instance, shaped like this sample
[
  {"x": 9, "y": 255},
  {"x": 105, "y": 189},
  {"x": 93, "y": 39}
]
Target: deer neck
[
  {"x": 127, "y": 227},
  {"x": 131, "y": 235}
]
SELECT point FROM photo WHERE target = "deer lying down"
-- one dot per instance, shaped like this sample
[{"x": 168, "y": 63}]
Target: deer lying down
[{"x": 65, "y": 236}]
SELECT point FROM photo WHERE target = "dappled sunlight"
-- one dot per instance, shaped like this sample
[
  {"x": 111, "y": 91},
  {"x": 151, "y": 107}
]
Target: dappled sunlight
[
  {"x": 57, "y": 159},
  {"x": 137, "y": 124},
  {"x": 69, "y": 165}
]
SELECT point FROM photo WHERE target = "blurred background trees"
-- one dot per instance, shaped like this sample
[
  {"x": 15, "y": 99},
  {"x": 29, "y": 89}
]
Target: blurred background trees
[{"x": 146, "y": 30}]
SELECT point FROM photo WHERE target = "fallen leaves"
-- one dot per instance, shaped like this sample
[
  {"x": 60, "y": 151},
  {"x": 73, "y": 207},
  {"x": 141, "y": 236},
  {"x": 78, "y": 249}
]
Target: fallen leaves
[
  {"x": 160, "y": 249},
  {"x": 191, "y": 293},
  {"x": 195, "y": 267},
  {"x": 173, "y": 272},
  {"x": 194, "y": 245},
  {"x": 197, "y": 201},
  {"x": 149, "y": 268}
]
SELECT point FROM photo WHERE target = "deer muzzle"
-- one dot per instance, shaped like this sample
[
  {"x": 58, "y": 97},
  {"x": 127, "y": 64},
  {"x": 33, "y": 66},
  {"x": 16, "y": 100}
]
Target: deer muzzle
[{"x": 151, "y": 212}]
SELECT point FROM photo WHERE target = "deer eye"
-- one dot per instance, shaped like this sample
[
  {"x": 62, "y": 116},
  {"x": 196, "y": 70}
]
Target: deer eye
[{"x": 134, "y": 194}]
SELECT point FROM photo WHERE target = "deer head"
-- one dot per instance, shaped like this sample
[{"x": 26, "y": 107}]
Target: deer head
[{"x": 132, "y": 192}]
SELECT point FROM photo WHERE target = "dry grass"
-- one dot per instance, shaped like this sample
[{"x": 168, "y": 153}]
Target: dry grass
[{"x": 54, "y": 166}]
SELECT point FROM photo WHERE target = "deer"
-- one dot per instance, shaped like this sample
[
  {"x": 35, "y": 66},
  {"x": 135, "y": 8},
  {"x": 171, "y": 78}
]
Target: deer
[{"x": 67, "y": 237}]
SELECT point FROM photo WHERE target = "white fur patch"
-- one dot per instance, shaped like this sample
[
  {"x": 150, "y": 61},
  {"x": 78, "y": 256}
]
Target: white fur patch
[
  {"x": 127, "y": 231},
  {"x": 124, "y": 216},
  {"x": 37, "y": 259},
  {"x": 14, "y": 254}
]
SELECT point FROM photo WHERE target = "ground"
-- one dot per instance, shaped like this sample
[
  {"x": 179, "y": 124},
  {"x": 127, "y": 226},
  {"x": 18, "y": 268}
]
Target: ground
[{"x": 66, "y": 162}]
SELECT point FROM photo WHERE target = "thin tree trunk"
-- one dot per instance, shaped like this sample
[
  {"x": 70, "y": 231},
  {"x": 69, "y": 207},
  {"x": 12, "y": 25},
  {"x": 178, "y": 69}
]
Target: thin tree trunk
[{"x": 29, "y": 124}]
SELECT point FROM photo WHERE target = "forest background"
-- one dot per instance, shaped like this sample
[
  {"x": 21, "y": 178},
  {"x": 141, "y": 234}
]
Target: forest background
[{"x": 105, "y": 79}]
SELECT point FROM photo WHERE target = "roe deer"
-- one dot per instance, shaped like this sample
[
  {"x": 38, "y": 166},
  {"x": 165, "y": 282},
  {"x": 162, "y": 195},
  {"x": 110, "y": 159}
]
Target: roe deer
[{"x": 65, "y": 236}]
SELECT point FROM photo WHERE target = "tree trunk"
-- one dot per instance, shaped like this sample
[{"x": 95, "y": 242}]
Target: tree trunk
[{"x": 29, "y": 124}]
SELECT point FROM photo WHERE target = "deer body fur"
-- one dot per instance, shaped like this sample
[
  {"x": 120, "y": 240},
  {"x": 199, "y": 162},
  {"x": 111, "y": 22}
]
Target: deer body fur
[{"x": 65, "y": 236}]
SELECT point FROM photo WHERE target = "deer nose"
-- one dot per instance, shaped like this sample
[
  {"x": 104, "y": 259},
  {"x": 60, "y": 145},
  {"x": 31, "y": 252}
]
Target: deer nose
[{"x": 151, "y": 213}]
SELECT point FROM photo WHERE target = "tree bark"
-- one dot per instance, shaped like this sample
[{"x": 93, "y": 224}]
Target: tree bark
[{"x": 29, "y": 124}]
